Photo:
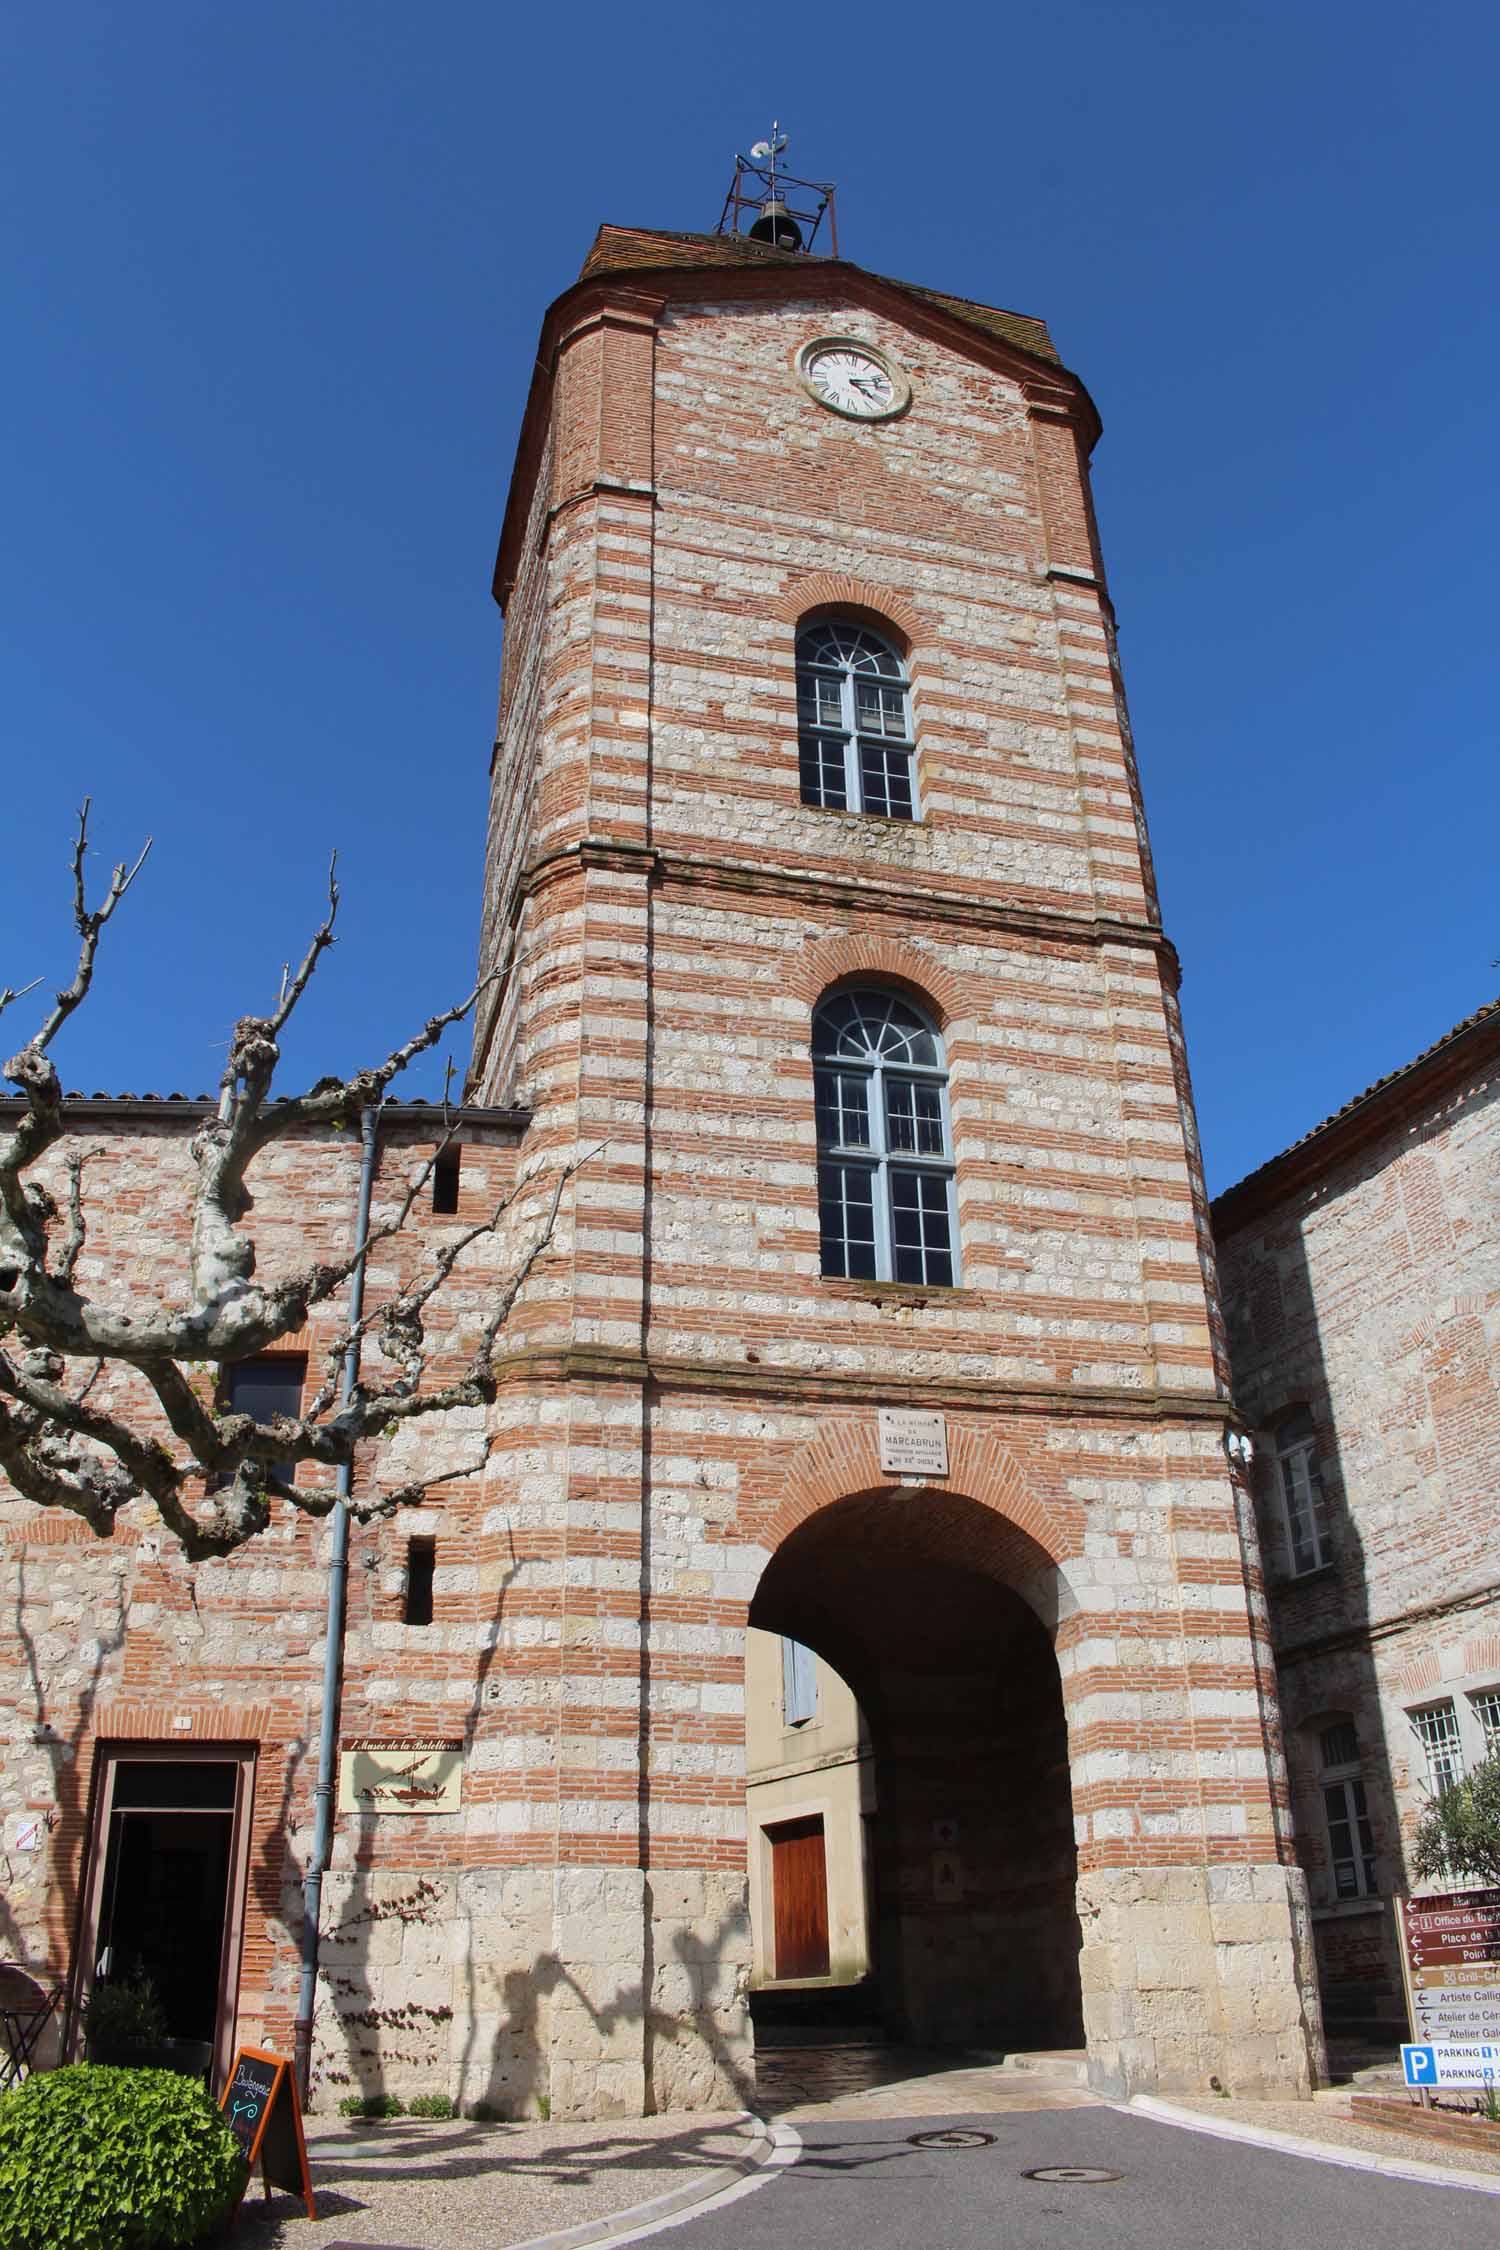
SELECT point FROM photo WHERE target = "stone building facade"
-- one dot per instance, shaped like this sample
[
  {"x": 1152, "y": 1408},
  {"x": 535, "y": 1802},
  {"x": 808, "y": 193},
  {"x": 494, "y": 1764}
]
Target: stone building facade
[
  {"x": 938, "y": 1389},
  {"x": 1361, "y": 1279}
]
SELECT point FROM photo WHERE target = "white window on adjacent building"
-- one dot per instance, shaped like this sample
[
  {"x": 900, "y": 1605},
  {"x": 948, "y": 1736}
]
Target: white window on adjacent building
[
  {"x": 1485, "y": 1703},
  {"x": 1436, "y": 1728},
  {"x": 1304, "y": 1504},
  {"x": 1351, "y": 1846},
  {"x": 799, "y": 1684},
  {"x": 854, "y": 730},
  {"x": 886, "y": 1198}
]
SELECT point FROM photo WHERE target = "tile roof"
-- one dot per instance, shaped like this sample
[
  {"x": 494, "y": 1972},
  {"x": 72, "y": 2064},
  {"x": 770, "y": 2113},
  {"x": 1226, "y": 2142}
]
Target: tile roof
[
  {"x": 1246, "y": 1189},
  {"x": 616, "y": 249}
]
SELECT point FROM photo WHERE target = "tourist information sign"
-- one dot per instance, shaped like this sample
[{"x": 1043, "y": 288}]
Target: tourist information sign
[{"x": 1450, "y": 1954}]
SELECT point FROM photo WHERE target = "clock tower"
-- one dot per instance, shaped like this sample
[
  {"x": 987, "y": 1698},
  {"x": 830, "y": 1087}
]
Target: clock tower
[{"x": 881, "y": 1313}]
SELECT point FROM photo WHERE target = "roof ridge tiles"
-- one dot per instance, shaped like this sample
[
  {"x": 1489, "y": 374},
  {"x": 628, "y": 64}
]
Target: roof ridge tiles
[{"x": 1490, "y": 1010}]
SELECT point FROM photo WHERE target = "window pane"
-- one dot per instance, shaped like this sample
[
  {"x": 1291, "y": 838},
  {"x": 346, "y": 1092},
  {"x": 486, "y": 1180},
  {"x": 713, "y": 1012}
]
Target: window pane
[
  {"x": 1340, "y": 1745},
  {"x": 799, "y": 1684},
  {"x": 885, "y": 781},
  {"x": 914, "y": 1116},
  {"x": 843, "y": 1109},
  {"x": 1437, "y": 1731},
  {"x": 879, "y": 710},
  {"x": 1302, "y": 1489},
  {"x": 823, "y": 777},
  {"x": 846, "y": 1211},
  {"x": 819, "y": 700},
  {"x": 919, "y": 1226},
  {"x": 1487, "y": 1710},
  {"x": 264, "y": 1387}
]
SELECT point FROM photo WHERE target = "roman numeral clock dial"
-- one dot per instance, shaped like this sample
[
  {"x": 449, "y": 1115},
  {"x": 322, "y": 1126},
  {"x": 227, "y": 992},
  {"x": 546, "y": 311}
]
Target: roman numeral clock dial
[{"x": 853, "y": 378}]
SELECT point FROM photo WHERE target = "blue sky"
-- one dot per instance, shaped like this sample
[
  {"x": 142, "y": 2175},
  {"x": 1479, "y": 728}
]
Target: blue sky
[{"x": 273, "y": 276}]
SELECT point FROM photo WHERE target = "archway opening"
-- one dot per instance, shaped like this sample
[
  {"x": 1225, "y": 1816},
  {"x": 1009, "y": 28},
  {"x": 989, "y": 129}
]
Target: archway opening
[{"x": 969, "y": 1866}]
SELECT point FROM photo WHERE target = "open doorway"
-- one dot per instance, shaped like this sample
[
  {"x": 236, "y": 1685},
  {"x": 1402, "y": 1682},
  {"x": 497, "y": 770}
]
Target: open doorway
[
  {"x": 963, "y": 1826},
  {"x": 165, "y": 1893}
]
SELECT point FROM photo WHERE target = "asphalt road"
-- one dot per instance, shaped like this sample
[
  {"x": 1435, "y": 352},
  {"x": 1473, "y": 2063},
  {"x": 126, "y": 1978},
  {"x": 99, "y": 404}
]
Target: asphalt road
[{"x": 864, "y": 2186}]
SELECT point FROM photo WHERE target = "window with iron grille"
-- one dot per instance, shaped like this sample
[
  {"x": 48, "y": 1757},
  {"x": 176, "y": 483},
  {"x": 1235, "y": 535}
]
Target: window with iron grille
[
  {"x": 854, "y": 729},
  {"x": 1436, "y": 1729},
  {"x": 886, "y": 1195},
  {"x": 1304, "y": 1502},
  {"x": 1486, "y": 1708},
  {"x": 1351, "y": 1845}
]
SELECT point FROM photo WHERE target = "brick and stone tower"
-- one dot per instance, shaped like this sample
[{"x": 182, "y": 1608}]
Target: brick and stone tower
[{"x": 884, "y": 1313}]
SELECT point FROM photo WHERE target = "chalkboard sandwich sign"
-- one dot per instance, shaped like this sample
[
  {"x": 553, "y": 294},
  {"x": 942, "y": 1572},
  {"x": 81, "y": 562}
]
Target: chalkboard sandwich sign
[{"x": 261, "y": 2109}]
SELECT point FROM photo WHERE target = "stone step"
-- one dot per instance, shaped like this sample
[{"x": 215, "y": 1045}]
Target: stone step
[{"x": 1067, "y": 2063}]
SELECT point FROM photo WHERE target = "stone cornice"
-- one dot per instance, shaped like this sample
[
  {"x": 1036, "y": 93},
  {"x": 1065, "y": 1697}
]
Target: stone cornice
[
  {"x": 598, "y": 1363},
  {"x": 748, "y": 878}
]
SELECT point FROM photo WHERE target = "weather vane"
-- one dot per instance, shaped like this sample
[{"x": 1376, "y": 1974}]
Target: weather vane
[{"x": 766, "y": 152}]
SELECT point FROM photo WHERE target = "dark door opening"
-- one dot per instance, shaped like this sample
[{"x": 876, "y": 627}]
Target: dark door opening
[
  {"x": 165, "y": 1898},
  {"x": 799, "y": 1890},
  {"x": 915, "y": 1603}
]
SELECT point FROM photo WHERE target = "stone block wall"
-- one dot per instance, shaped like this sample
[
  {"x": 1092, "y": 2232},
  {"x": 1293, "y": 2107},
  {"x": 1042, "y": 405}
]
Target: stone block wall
[{"x": 1361, "y": 1277}]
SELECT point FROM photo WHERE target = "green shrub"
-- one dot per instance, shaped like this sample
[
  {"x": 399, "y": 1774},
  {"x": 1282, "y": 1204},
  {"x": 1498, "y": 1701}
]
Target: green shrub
[
  {"x": 93, "y": 2158},
  {"x": 1458, "y": 1837},
  {"x": 372, "y": 2105},
  {"x": 431, "y": 2105}
]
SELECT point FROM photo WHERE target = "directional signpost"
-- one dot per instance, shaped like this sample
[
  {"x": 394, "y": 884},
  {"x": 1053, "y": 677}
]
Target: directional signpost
[{"x": 1450, "y": 1952}]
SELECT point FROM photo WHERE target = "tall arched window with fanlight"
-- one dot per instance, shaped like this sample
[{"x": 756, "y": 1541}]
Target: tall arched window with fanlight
[
  {"x": 854, "y": 722},
  {"x": 886, "y": 1196}
]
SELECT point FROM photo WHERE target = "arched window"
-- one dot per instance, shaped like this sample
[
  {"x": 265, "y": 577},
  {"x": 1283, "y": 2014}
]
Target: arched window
[
  {"x": 854, "y": 722},
  {"x": 1304, "y": 1504},
  {"x": 885, "y": 1164}
]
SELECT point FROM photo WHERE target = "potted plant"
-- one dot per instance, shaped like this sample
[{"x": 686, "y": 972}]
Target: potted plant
[{"x": 124, "y": 2024}]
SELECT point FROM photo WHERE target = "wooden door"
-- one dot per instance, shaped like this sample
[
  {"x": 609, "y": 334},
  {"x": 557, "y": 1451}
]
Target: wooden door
[{"x": 799, "y": 1888}]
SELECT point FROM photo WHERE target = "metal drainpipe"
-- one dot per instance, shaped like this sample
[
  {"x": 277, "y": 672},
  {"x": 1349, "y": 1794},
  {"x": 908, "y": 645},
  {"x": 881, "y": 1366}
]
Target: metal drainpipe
[{"x": 333, "y": 1646}]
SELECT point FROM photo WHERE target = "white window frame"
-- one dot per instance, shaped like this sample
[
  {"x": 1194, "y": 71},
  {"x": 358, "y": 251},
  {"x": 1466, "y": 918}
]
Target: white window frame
[
  {"x": 1484, "y": 1708},
  {"x": 1341, "y": 1777},
  {"x": 1301, "y": 1494},
  {"x": 864, "y": 656},
  {"x": 875, "y": 1157},
  {"x": 1438, "y": 1730}
]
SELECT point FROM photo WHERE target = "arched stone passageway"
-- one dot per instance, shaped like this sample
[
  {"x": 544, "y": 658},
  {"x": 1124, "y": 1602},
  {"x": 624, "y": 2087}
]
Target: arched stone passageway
[{"x": 927, "y": 1605}]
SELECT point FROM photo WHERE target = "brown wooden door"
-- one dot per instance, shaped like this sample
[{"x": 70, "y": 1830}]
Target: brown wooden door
[{"x": 799, "y": 1887}]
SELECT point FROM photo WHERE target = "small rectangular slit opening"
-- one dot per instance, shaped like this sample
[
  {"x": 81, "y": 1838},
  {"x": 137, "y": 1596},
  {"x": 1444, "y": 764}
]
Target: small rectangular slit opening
[
  {"x": 445, "y": 1174},
  {"x": 421, "y": 1561}
]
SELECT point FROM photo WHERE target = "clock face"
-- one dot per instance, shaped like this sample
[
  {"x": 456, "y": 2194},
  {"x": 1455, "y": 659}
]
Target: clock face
[{"x": 853, "y": 378}]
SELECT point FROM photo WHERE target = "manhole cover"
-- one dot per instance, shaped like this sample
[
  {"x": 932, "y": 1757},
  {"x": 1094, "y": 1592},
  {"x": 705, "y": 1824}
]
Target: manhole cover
[
  {"x": 957, "y": 2136},
  {"x": 1072, "y": 2175}
]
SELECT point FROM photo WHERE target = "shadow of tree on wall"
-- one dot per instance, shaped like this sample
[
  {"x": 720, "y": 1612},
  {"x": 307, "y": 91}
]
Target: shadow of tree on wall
[{"x": 67, "y": 1827}]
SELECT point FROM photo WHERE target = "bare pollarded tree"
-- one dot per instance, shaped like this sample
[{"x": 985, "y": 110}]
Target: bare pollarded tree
[{"x": 214, "y": 1475}]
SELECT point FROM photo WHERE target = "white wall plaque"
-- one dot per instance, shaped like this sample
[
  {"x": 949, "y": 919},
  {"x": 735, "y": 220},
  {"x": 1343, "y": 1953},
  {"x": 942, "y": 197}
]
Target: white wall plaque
[
  {"x": 401, "y": 1774},
  {"x": 912, "y": 1445}
]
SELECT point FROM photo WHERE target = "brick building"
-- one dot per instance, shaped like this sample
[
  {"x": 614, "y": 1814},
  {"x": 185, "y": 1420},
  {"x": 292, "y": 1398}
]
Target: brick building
[
  {"x": 1361, "y": 1281},
  {"x": 881, "y": 1319}
]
